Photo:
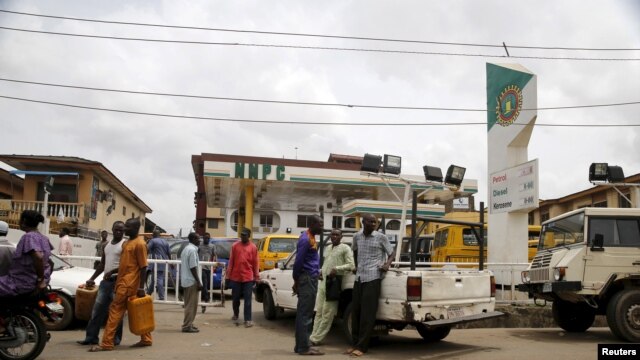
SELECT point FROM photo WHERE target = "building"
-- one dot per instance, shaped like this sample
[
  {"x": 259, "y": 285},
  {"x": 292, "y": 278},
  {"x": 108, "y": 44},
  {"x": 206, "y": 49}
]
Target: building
[
  {"x": 86, "y": 197},
  {"x": 277, "y": 195},
  {"x": 597, "y": 196}
]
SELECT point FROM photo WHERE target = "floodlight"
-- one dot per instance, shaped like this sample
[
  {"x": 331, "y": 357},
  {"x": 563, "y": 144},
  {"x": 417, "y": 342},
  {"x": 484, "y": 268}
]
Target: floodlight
[
  {"x": 455, "y": 174},
  {"x": 615, "y": 174},
  {"x": 598, "y": 172},
  {"x": 371, "y": 163},
  {"x": 432, "y": 173},
  {"x": 392, "y": 164}
]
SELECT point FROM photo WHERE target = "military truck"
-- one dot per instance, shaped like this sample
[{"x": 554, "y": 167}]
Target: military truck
[{"x": 588, "y": 264}]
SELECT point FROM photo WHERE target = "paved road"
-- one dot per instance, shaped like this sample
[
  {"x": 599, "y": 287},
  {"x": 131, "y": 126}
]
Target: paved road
[{"x": 219, "y": 338}]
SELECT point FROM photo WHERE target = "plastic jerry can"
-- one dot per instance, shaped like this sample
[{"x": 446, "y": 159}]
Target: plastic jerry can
[
  {"x": 140, "y": 311},
  {"x": 85, "y": 298}
]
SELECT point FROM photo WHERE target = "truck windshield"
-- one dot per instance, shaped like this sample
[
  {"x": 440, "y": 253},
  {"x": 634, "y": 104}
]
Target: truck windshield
[{"x": 562, "y": 232}]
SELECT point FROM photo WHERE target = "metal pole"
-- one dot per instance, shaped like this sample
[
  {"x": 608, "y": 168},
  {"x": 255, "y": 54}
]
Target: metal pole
[
  {"x": 403, "y": 218},
  {"x": 481, "y": 257},
  {"x": 414, "y": 213},
  {"x": 45, "y": 210}
]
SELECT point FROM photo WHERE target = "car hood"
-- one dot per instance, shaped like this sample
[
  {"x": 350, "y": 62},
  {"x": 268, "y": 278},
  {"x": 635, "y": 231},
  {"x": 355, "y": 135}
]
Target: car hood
[{"x": 67, "y": 280}]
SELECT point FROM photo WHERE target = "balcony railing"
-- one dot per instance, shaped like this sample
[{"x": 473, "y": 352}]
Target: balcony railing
[{"x": 68, "y": 214}]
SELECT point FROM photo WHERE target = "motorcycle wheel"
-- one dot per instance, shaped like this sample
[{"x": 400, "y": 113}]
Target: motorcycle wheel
[{"x": 36, "y": 337}]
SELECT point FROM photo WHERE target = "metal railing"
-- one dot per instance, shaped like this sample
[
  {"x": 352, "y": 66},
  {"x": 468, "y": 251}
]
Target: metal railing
[
  {"x": 172, "y": 273},
  {"x": 68, "y": 212}
]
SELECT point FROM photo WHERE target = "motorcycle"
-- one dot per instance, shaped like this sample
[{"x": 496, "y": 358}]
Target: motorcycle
[{"x": 23, "y": 334}]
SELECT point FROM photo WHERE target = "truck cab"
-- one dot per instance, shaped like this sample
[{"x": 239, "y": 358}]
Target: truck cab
[{"x": 587, "y": 264}]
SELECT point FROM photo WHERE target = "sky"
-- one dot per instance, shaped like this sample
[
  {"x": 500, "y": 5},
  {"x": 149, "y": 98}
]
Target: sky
[{"x": 152, "y": 154}]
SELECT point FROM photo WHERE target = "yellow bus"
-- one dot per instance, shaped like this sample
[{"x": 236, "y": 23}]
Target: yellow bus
[{"x": 457, "y": 243}]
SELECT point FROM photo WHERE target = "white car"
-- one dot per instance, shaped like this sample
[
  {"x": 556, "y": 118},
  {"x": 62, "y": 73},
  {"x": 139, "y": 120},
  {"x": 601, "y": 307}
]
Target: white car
[{"x": 65, "y": 279}]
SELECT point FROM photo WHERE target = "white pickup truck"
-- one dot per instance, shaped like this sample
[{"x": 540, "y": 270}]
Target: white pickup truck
[{"x": 429, "y": 299}]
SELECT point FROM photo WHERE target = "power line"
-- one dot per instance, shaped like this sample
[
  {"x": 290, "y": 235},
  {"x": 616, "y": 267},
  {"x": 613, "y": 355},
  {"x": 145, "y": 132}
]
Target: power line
[
  {"x": 307, "y": 103},
  {"x": 317, "y": 35},
  {"x": 297, "y": 122},
  {"x": 317, "y": 47}
]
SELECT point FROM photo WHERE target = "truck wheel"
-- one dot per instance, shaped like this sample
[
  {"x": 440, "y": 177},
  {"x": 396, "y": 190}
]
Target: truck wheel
[
  {"x": 268, "y": 305},
  {"x": 623, "y": 315},
  {"x": 347, "y": 324},
  {"x": 572, "y": 317},
  {"x": 433, "y": 334}
]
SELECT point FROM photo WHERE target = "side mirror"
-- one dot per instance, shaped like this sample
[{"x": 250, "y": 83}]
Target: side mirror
[
  {"x": 597, "y": 243},
  {"x": 281, "y": 265}
]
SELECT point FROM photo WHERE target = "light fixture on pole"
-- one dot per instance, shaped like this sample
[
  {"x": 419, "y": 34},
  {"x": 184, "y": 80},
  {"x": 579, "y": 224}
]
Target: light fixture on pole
[
  {"x": 432, "y": 173},
  {"x": 371, "y": 163},
  {"x": 392, "y": 164},
  {"x": 605, "y": 172},
  {"x": 455, "y": 175}
]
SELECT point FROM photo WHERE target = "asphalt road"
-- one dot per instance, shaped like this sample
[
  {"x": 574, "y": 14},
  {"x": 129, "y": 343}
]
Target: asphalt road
[{"x": 220, "y": 338}]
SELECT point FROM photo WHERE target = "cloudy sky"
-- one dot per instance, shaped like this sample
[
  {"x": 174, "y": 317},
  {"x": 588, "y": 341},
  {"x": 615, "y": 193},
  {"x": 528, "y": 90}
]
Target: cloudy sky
[{"x": 152, "y": 154}]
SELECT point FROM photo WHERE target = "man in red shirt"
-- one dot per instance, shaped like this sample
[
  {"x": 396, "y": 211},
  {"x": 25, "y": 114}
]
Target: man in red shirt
[{"x": 242, "y": 271}]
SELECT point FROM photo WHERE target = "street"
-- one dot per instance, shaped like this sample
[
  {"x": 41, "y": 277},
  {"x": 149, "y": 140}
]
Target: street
[{"x": 220, "y": 338}]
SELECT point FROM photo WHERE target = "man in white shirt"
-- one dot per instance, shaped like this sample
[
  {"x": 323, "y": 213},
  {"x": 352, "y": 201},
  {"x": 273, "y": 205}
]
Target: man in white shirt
[{"x": 66, "y": 246}]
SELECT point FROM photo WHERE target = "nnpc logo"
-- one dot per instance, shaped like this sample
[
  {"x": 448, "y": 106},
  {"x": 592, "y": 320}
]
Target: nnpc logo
[{"x": 509, "y": 105}]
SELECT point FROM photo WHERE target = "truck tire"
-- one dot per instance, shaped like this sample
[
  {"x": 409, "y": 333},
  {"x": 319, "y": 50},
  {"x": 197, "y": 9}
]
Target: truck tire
[
  {"x": 573, "y": 317},
  {"x": 623, "y": 315},
  {"x": 347, "y": 323},
  {"x": 433, "y": 334},
  {"x": 268, "y": 305}
]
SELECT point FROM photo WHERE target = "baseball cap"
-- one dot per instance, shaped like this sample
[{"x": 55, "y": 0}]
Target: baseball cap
[{"x": 4, "y": 227}]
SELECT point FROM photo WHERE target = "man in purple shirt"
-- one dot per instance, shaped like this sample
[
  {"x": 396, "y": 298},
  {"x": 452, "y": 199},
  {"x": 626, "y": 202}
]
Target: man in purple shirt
[{"x": 305, "y": 284}]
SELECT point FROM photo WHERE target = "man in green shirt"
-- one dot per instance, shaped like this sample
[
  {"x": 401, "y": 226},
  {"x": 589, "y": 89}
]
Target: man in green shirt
[{"x": 338, "y": 260}]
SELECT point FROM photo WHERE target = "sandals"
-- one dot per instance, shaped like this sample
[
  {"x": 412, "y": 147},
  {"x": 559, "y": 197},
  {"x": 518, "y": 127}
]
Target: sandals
[
  {"x": 356, "y": 353},
  {"x": 98, "y": 348},
  {"x": 312, "y": 351},
  {"x": 140, "y": 344}
]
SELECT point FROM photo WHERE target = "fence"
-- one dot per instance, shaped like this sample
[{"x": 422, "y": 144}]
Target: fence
[{"x": 172, "y": 278}]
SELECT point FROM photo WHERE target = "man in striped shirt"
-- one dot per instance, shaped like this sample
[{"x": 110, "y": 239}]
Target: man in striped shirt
[{"x": 374, "y": 254}]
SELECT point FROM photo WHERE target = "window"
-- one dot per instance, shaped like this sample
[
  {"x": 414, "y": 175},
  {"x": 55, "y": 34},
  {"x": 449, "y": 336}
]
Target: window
[
  {"x": 469, "y": 237},
  {"x": 350, "y": 223},
  {"x": 304, "y": 220},
  {"x": 124, "y": 211},
  {"x": 133, "y": 215},
  {"x": 336, "y": 222},
  {"x": 282, "y": 245},
  {"x": 622, "y": 202},
  {"x": 59, "y": 193},
  {"x": 212, "y": 223},
  {"x": 602, "y": 204},
  {"x": 544, "y": 216},
  {"x": 616, "y": 232},
  {"x": 393, "y": 225},
  {"x": 234, "y": 221},
  {"x": 266, "y": 220},
  {"x": 530, "y": 218}
]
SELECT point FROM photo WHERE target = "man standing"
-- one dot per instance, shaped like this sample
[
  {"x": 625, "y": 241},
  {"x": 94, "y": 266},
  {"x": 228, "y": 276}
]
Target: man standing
[
  {"x": 374, "y": 254},
  {"x": 305, "y": 284},
  {"x": 132, "y": 273},
  {"x": 109, "y": 263},
  {"x": 190, "y": 282},
  {"x": 100, "y": 246},
  {"x": 158, "y": 249},
  {"x": 66, "y": 246},
  {"x": 6, "y": 249},
  {"x": 338, "y": 261},
  {"x": 242, "y": 270},
  {"x": 206, "y": 253}
]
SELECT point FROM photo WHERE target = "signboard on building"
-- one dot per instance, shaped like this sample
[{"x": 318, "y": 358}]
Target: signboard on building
[
  {"x": 461, "y": 203},
  {"x": 514, "y": 189}
]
